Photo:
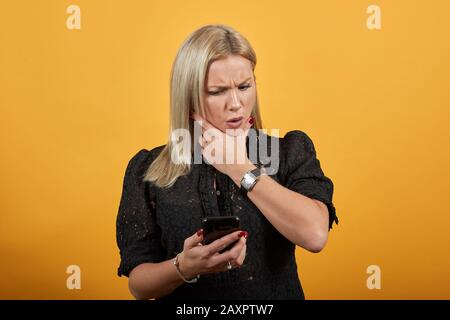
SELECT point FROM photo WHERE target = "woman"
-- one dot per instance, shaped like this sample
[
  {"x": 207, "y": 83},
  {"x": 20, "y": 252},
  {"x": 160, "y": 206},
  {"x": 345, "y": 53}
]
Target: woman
[{"x": 165, "y": 195}]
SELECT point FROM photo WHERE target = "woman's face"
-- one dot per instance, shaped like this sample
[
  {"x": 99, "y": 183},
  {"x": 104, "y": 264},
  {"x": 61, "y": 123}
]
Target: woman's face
[{"x": 230, "y": 92}]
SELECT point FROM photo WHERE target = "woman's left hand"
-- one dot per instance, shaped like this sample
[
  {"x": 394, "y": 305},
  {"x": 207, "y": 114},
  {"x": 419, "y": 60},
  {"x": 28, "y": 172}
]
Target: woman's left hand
[{"x": 227, "y": 152}]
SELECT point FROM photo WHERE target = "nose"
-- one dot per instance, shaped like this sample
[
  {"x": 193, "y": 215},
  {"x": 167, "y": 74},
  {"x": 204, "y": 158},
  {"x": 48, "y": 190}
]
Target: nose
[{"x": 235, "y": 103}]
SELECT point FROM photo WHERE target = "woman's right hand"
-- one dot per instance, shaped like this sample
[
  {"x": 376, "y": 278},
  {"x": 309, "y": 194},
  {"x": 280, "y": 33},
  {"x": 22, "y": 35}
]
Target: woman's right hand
[{"x": 197, "y": 258}]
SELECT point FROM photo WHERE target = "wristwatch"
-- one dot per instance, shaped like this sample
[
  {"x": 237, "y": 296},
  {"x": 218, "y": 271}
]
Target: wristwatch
[{"x": 250, "y": 179}]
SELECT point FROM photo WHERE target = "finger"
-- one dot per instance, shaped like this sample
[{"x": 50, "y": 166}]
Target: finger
[
  {"x": 230, "y": 255},
  {"x": 208, "y": 134},
  {"x": 203, "y": 122},
  {"x": 240, "y": 260},
  {"x": 194, "y": 240},
  {"x": 207, "y": 127},
  {"x": 248, "y": 125},
  {"x": 205, "y": 139},
  {"x": 196, "y": 117},
  {"x": 209, "y": 137},
  {"x": 199, "y": 120},
  {"x": 203, "y": 144},
  {"x": 250, "y": 121},
  {"x": 211, "y": 133},
  {"x": 201, "y": 141},
  {"x": 223, "y": 242}
]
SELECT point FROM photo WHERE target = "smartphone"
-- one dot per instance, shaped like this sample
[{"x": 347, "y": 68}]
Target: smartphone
[{"x": 216, "y": 227}]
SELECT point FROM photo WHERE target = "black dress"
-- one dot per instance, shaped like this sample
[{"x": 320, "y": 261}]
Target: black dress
[{"x": 152, "y": 223}]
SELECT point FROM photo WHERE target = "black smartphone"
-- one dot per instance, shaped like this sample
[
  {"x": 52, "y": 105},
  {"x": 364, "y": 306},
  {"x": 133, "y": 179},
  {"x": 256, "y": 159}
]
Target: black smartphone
[{"x": 216, "y": 227}]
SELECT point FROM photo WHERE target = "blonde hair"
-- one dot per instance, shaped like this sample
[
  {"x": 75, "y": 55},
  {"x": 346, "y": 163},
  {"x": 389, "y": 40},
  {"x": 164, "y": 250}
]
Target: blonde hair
[{"x": 188, "y": 76}]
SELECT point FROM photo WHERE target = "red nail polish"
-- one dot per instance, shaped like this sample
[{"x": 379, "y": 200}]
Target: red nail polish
[
  {"x": 251, "y": 120},
  {"x": 243, "y": 234},
  {"x": 199, "y": 232}
]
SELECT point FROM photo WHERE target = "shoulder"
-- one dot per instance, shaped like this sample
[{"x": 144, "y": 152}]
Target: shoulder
[
  {"x": 142, "y": 159},
  {"x": 296, "y": 141},
  {"x": 296, "y": 150},
  {"x": 288, "y": 152}
]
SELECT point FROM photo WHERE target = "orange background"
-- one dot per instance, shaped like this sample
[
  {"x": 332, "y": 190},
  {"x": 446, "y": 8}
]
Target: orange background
[{"x": 76, "y": 105}]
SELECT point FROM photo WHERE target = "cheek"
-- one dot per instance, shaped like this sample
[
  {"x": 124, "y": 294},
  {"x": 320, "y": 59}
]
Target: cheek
[
  {"x": 251, "y": 96},
  {"x": 213, "y": 107},
  {"x": 249, "y": 100}
]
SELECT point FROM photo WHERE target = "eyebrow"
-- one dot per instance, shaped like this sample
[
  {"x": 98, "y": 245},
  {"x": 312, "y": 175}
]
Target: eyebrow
[{"x": 224, "y": 87}]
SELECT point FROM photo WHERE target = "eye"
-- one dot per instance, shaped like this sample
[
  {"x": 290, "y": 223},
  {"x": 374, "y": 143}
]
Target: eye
[
  {"x": 243, "y": 88},
  {"x": 214, "y": 93}
]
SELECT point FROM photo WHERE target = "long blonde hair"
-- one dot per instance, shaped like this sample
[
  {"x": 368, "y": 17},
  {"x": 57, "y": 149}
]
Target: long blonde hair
[{"x": 188, "y": 76}]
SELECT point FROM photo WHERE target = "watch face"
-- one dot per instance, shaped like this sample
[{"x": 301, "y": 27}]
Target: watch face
[{"x": 248, "y": 180}]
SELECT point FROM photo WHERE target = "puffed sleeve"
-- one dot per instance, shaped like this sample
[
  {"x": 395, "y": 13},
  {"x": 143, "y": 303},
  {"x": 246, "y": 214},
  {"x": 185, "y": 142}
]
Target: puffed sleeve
[
  {"x": 302, "y": 172},
  {"x": 137, "y": 234}
]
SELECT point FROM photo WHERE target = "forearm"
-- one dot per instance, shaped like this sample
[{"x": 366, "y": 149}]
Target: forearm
[
  {"x": 154, "y": 280},
  {"x": 297, "y": 217}
]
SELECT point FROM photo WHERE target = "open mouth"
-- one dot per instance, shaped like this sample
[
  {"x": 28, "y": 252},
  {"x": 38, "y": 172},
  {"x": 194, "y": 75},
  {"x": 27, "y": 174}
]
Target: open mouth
[{"x": 234, "y": 122}]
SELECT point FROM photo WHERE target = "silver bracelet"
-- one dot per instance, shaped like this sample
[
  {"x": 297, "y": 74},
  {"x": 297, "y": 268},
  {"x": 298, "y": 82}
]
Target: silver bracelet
[{"x": 177, "y": 267}]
